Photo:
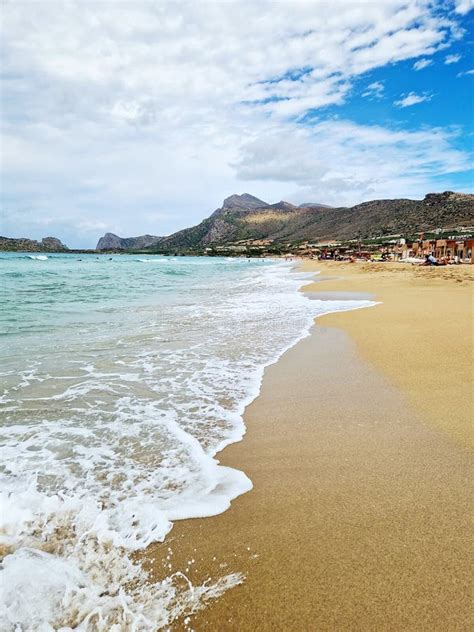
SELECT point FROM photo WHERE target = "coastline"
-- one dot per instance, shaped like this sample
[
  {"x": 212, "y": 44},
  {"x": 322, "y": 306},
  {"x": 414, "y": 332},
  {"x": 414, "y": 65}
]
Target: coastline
[
  {"x": 359, "y": 514},
  {"x": 419, "y": 336}
]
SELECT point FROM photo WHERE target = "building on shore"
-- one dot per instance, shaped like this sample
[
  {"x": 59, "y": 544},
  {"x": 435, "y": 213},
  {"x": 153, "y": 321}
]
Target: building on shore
[
  {"x": 457, "y": 248},
  {"x": 448, "y": 250},
  {"x": 451, "y": 248},
  {"x": 465, "y": 250}
]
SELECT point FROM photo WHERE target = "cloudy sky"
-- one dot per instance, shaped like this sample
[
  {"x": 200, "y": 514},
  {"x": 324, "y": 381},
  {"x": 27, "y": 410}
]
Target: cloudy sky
[{"x": 140, "y": 117}]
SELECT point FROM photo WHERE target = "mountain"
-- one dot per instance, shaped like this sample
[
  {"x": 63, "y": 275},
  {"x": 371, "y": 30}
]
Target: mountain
[
  {"x": 240, "y": 217},
  {"x": 388, "y": 217},
  {"x": 245, "y": 217},
  {"x": 47, "y": 244},
  {"x": 113, "y": 242},
  {"x": 244, "y": 201},
  {"x": 283, "y": 222}
]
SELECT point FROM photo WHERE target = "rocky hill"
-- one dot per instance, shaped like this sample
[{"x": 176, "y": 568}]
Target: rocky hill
[
  {"x": 286, "y": 222},
  {"x": 47, "y": 244},
  {"x": 245, "y": 217},
  {"x": 244, "y": 201},
  {"x": 113, "y": 242}
]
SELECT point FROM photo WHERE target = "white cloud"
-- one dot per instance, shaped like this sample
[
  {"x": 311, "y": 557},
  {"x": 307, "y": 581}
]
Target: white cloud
[
  {"x": 334, "y": 161},
  {"x": 452, "y": 59},
  {"x": 374, "y": 90},
  {"x": 411, "y": 99},
  {"x": 422, "y": 63},
  {"x": 463, "y": 6},
  {"x": 131, "y": 115},
  {"x": 141, "y": 62}
]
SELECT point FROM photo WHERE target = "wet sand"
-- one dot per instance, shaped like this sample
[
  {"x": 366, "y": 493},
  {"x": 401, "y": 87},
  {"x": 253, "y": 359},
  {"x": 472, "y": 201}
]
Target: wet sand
[{"x": 360, "y": 514}]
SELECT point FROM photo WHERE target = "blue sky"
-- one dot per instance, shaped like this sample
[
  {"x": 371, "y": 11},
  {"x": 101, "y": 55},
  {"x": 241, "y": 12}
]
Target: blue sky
[
  {"x": 141, "y": 117},
  {"x": 446, "y": 86}
]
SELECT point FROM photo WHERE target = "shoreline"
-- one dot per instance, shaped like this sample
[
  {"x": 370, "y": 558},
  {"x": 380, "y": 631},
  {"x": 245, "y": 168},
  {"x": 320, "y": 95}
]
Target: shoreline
[
  {"x": 356, "y": 521},
  {"x": 427, "y": 353}
]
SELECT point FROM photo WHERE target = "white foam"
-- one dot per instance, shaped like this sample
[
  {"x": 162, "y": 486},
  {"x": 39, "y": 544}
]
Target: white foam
[
  {"x": 38, "y": 257},
  {"x": 127, "y": 444},
  {"x": 42, "y": 592}
]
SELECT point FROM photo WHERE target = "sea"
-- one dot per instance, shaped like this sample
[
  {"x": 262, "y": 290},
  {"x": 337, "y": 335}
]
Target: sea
[{"x": 122, "y": 378}]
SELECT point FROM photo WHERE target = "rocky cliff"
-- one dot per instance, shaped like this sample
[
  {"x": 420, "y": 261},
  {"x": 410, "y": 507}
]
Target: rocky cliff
[
  {"x": 113, "y": 242},
  {"x": 47, "y": 244}
]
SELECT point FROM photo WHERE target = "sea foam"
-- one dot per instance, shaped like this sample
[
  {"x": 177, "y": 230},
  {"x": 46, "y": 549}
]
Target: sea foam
[{"x": 140, "y": 378}]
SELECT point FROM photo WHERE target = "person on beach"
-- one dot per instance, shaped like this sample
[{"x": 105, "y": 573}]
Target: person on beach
[{"x": 430, "y": 260}]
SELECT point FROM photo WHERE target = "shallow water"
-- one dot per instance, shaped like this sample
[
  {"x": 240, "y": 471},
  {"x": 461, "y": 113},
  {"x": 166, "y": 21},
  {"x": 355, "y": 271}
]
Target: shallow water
[{"x": 121, "y": 380}]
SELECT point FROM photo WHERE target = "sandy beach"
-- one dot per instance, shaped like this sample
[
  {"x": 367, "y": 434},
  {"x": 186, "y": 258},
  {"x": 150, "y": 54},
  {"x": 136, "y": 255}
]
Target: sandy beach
[
  {"x": 420, "y": 337},
  {"x": 358, "y": 451}
]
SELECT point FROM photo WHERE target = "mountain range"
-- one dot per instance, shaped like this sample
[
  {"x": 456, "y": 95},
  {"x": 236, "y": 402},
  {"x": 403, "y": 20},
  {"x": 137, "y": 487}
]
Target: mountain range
[{"x": 245, "y": 217}]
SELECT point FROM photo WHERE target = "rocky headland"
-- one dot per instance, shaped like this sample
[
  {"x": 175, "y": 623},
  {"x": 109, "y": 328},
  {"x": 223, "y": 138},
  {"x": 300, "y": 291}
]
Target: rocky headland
[{"x": 47, "y": 244}]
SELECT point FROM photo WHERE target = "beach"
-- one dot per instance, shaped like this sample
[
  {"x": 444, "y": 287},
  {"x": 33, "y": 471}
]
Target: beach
[
  {"x": 111, "y": 439},
  {"x": 357, "y": 447},
  {"x": 420, "y": 337},
  {"x": 237, "y": 316}
]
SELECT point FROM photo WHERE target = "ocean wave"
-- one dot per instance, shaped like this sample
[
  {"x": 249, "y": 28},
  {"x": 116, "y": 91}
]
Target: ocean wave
[{"x": 102, "y": 463}]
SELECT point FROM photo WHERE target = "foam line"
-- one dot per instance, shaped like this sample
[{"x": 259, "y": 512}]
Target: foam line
[{"x": 102, "y": 463}]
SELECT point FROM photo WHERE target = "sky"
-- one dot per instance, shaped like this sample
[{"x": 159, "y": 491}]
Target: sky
[{"x": 141, "y": 117}]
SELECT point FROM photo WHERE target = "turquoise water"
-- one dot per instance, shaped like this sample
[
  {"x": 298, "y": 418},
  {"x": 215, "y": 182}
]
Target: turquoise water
[{"x": 122, "y": 378}]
